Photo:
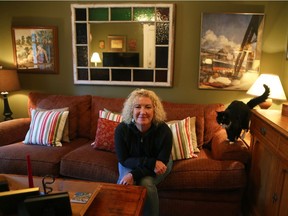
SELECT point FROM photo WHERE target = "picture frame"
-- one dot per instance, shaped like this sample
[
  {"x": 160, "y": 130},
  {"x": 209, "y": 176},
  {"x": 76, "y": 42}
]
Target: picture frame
[
  {"x": 35, "y": 49},
  {"x": 230, "y": 50},
  {"x": 117, "y": 43}
]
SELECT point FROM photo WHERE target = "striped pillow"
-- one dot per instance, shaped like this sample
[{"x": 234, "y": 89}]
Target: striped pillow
[
  {"x": 46, "y": 127},
  {"x": 110, "y": 116},
  {"x": 182, "y": 147}
]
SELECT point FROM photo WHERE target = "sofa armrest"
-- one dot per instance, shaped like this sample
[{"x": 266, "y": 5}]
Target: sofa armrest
[
  {"x": 13, "y": 130},
  {"x": 222, "y": 150}
]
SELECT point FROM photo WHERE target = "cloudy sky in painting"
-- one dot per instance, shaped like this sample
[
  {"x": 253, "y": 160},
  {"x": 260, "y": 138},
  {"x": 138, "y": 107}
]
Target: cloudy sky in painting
[{"x": 223, "y": 30}]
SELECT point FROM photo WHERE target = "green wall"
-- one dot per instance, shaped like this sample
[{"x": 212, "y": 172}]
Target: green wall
[{"x": 187, "y": 39}]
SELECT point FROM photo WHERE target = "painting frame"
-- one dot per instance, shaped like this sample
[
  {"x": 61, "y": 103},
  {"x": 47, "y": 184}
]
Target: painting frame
[
  {"x": 35, "y": 49},
  {"x": 230, "y": 50},
  {"x": 117, "y": 43}
]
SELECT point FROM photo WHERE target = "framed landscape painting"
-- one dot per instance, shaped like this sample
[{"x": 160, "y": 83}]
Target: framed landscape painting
[
  {"x": 230, "y": 50},
  {"x": 35, "y": 49}
]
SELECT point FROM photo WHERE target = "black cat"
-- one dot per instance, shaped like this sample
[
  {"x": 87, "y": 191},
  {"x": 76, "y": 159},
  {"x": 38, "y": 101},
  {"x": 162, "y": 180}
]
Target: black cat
[{"x": 237, "y": 115}]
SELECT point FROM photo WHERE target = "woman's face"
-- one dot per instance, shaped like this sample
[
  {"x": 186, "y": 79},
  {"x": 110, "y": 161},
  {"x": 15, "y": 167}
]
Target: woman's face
[{"x": 143, "y": 112}]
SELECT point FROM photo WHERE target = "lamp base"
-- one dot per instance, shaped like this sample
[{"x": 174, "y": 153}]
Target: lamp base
[
  {"x": 266, "y": 104},
  {"x": 7, "y": 111}
]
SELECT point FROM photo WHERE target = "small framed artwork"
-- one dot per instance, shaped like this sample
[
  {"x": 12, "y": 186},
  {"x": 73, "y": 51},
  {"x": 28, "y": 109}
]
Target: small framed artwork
[
  {"x": 230, "y": 50},
  {"x": 35, "y": 49},
  {"x": 117, "y": 43},
  {"x": 132, "y": 44},
  {"x": 102, "y": 44}
]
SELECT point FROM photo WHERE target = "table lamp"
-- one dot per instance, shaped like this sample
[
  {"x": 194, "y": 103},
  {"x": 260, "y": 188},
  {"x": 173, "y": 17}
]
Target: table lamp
[
  {"x": 8, "y": 82},
  {"x": 95, "y": 58},
  {"x": 276, "y": 89}
]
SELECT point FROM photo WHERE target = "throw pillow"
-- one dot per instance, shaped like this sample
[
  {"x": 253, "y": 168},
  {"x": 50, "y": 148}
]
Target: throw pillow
[
  {"x": 110, "y": 115},
  {"x": 193, "y": 134},
  {"x": 65, "y": 136},
  {"x": 46, "y": 127},
  {"x": 182, "y": 142},
  {"x": 104, "y": 139}
]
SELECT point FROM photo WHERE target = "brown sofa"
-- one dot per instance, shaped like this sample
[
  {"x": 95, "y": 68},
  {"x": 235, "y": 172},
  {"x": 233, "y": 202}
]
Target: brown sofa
[{"x": 212, "y": 184}]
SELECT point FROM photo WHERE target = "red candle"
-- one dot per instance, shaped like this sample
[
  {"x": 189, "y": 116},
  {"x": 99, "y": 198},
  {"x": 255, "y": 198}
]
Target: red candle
[{"x": 29, "y": 172}]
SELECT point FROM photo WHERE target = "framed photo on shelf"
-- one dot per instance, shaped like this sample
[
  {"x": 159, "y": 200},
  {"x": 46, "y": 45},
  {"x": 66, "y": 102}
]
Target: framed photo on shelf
[
  {"x": 35, "y": 49},
  {"x": 230, "y": 50},
  {"x": 117, "y": 43}
]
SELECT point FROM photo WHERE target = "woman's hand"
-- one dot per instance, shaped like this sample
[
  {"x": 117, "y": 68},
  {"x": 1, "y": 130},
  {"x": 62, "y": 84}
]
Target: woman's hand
[
  {"x": 127, "y": 179},
  {"x": 160, "y": 168}
]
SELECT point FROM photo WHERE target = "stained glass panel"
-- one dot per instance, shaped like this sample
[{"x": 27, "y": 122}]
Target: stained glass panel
[
  {"x": 162, "y": 33},
  {"x": 144, "y": 14},
  {"x": 162, "y": 14},
  {"x": 98, "y": 14},
  {"x": 122, "y": 14}
]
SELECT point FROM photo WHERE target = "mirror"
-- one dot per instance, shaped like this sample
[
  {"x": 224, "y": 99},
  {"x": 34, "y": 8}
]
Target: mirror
[{"x": 131, "y": 44}]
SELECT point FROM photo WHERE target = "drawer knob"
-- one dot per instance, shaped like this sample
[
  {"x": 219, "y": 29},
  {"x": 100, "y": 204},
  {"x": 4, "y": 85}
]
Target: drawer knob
[{"x": 263, "y": 131}]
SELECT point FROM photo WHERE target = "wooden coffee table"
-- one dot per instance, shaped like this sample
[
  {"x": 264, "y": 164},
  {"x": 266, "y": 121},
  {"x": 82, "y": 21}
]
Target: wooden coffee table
[{"x": 110, "y": 199}]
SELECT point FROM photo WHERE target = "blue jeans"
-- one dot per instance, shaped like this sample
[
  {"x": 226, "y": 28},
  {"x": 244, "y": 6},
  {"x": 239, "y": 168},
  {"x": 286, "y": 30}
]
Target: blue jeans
[{"x": 151, "y": 206}]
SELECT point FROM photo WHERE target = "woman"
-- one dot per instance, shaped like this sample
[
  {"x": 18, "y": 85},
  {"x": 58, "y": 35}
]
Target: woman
[{"x": 143, "y": 145}]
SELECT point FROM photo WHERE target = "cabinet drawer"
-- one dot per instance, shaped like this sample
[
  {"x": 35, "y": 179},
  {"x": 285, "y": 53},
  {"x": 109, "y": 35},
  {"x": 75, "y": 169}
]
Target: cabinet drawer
[{"x": 265, "y": 132}]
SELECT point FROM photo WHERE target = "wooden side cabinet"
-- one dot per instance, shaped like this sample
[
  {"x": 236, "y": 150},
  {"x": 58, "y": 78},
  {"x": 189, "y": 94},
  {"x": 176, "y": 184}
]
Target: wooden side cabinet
[{"x": 268, "y": 178}]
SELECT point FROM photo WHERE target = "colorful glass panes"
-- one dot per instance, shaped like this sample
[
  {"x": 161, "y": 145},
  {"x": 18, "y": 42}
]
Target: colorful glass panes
[
  {"x": 162, "y": 14},
  {"x": 144, "y": 14},
  {"x": 123, "y": 14},
  {"x": 98, "y": 14},
  {"x": 162, "y": 33}
]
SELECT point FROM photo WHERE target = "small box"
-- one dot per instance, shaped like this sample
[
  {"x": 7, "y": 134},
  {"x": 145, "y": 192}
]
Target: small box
[{"x": 285, "y": 109}]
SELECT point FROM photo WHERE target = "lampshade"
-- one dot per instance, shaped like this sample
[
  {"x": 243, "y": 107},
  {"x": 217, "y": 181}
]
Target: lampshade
[
  {"x": 9, "y": 81},
  {"x": 273, "y": 82},
  {"x": 95, "y": 58}
]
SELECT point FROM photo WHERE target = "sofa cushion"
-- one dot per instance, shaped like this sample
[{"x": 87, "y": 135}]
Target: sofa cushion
[
  {"x": 222, "y": 150},
  {"x": 110, "y": 115},
  {"x": 44, "y": 160},
  {"x": 86, "y": 163},
  {"x": 182, "y": 147},
  {"x": 65, "y": 137},
  {"x": 211, "y": 125},
  {"x": 101, "y": 103},
  {"x": 104, "y": 139},
  {"x": 79, "y": 110},
  {"x": 177, "y": 111},
  {"x": 46, "y": 127},
  {"x": 205, "y": 173}
]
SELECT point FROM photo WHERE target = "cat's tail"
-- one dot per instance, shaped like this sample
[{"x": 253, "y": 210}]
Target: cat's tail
[{"x": 257, "y": 100}]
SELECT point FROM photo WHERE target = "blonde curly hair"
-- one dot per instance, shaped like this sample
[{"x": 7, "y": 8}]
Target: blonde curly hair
[{"x": 159, "y": 112}]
